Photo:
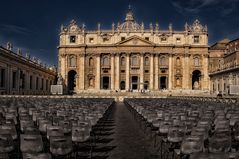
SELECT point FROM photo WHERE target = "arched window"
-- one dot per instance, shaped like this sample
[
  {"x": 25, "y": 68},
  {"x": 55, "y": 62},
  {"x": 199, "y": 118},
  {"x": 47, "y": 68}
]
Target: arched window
[
  {"x": 122, "y": 61},
  {"x": 91, "y": 62},
  {"x": 72, "y": 61},
  {"x": 134, "y": 61},
  {"x": 178, "y": 61},
  {"x": 146, "y": 61},
  {"x": 196, "y": 61},
  {"x": 105, "y": 61}
]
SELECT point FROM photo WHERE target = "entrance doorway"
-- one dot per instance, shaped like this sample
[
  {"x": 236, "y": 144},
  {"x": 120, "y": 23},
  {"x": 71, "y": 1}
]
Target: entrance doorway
[
  {"x": 71, "y": 81},
  {"x": 135, "y": 80},
  {"x": 122, "y": 85},
  {"x": 196, "y": 75},
  {"x": 106, "y": 82},
  {"x": 163, "y": 82}
]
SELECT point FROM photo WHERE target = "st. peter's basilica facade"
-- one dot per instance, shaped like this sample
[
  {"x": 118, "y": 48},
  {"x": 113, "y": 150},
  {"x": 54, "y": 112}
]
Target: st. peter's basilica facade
[{"x": 131, "y": 57}]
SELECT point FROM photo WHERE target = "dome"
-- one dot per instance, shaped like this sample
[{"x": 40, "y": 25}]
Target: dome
[{"x": 130, "y": 24}]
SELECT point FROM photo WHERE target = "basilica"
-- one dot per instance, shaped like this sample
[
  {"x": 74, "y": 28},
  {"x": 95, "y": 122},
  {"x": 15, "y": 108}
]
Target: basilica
[{"x": 133, "y": 57}]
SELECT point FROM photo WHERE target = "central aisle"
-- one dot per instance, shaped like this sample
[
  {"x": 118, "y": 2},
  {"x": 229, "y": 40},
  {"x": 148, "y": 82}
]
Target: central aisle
[{"x": 128, "y": 138}]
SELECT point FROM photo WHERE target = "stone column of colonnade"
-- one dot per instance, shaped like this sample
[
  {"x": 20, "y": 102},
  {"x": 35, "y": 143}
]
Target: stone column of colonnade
[
  {"x": 151, "y": 83},
  {"x": 170, "y": 72},
  {"x": 141, "y": 71},
  {"x": 127, "y": 72},
  {"x": 112, "y": 84},
  {"x": 205, "y": 72},
  {"x": 117, "y": 71},
  {"x": 97, "y": 78},
  {"x": 156, "y": 83}
]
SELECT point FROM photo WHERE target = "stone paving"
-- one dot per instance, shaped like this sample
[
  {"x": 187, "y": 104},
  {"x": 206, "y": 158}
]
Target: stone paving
[{"x": 128, "y": 138}]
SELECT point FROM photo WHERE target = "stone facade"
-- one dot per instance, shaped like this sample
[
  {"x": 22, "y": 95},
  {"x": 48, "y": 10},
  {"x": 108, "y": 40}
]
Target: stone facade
[
  {"x": 21, "y": 75},
  {"x": 130, "y": 57},
  {"x": 224, "y": 66}
]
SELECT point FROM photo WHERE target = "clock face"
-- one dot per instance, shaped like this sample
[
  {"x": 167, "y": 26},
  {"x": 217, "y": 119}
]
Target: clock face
[{"x": 73, "y": 28}]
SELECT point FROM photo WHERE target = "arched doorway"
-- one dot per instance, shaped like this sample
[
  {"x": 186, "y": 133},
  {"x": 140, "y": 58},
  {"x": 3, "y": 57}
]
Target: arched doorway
[
  {"x": 196, "y": 81},
  {"x": 71, "y": 81},
  {"x": 135, "y": 81},
  {"x": 122, "y": 85}
]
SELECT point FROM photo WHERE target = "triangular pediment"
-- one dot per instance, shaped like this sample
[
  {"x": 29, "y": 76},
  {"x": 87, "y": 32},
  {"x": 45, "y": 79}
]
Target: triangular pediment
[{"x": 135, "y": 41}]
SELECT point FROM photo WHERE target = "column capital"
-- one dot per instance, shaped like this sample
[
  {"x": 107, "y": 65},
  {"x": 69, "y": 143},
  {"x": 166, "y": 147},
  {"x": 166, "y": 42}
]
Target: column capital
[
  {"x": 63, "y": 55},
  {"x": 81, "y": 55},
  {"x": 186, "y": 55},
  {"x": 117, "y": 54},
  {"x": 97, "y": 55}
]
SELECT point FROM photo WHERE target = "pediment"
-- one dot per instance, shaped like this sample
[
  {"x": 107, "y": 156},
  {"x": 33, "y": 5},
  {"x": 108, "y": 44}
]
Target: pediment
[{"x": 135, "y": 41}]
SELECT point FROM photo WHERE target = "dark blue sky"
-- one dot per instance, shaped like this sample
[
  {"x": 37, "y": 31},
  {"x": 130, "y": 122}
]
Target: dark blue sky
[{"x": 33, "y": 25}]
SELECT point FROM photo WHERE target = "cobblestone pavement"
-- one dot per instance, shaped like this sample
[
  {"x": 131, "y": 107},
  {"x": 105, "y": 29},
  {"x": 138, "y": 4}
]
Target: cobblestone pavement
[{"x": 128, "y": 138}]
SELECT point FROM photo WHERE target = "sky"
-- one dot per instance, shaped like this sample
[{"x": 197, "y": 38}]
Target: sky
[{"x": 33, "y": 25}]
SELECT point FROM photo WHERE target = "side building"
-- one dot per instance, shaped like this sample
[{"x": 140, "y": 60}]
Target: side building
[
  {"x": 224, "y": 67},
  {"x": 21, "y": 75},
  {"x": 131, "y": 57}
]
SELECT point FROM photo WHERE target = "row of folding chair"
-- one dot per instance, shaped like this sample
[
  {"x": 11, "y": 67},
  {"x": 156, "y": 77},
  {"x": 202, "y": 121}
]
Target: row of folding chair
[
  {"x": 188, "y": 128},
  {"x": 49, "y": 128}
]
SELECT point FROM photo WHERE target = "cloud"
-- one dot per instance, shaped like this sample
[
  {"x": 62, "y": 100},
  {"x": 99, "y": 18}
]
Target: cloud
[
  {"x": 195, "y": 6},
  {"x": 11, "y": 28}
]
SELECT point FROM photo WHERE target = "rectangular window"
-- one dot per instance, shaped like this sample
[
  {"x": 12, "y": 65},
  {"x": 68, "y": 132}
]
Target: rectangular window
[
  {"x": 122, "y": 38},
  {"x": 91, "y": 40},
  {"x": 105, "y": 39},
  {"x": 30, "y": 82},
  {"x": 196, "y": 39},
  {"x": 122, "y": 71},
  {"x": 72, "y": 39},
  {"x": 163, "y": 39},
  {"x": 105, "y": 71},
  {"x": 147, "y": 38},
  {"x": 14, "y": 80},
  {"x": 178, "y": 40},
  {"x": 146, "y": 71},
  {"x": 3, "y": 77}
]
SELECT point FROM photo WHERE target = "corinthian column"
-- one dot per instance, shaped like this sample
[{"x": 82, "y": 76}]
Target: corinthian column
[
  {"x": 151, "y": 83},
  {"x": 156, "y": 84},
  {"x": 142, "y": 71},
  {"x": 127, "y": 72},
  {"x": 117, "y": 71},
  {"x": 97, "y": 79},
  {"x": 81, "y": 66},
  {"x": 112, "y": 72}
]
